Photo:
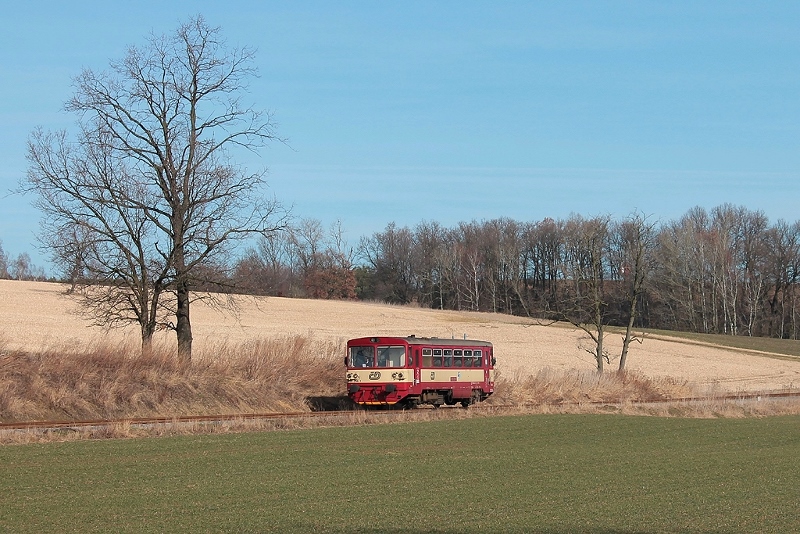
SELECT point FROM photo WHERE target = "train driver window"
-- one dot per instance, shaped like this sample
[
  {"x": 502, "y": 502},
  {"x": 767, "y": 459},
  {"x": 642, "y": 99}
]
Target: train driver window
[
  {"x": 477, "y": 355},
  {"x": 457, "y": 358},
  {"x": 362, "y": 356},
  {"x": 392, "y": 356},
  {"x": 437, "y": 357}
]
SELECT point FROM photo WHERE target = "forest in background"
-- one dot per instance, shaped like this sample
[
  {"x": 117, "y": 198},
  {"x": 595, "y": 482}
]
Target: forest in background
[{"x": 727, "y": 270}]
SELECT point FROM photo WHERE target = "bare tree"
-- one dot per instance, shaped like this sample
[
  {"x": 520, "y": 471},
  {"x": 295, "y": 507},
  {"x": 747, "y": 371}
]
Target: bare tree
[
  {"x": 389, "y": 255},
  {"x": 784, "y": 244},
  {"x": 586, "y": 268},
  {"x": 165, "y": 120},
  {"x": 430, "y": 239},
  {"x": 684, "y": 272},
  {"x": 21, "y": 267},
  {"x": 3, "y": 263},
  {"x": 90, "y": 226},
  {"x": 635, "y": 244},
  {"x": 324, "y": 261}
]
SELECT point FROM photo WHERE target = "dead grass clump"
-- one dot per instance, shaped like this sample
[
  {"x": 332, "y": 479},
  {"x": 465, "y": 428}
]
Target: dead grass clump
[
  {"x": 115, "y": 382},
  {"x": 553, "y": 387}
]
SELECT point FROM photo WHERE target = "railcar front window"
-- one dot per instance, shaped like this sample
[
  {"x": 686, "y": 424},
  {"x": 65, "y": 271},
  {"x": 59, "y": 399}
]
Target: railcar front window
[
  {"x": 392, "y": 356},
  {"x": 362, "y": 356}
]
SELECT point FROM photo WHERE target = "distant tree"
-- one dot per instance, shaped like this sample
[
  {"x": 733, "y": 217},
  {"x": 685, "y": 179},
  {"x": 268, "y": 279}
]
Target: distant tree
[
  {"x": 428, "y": 263},
  {"x": 3, "y": 263},
  {"x": 21, "y": 267},
  {"x": 784, "y": 248},
  {"x": 634, "y": 242},
  {"x": 150, "y": 182},
  {"x": 587, "y": 269},
  {"x": 541, "y": 261},
  {"x": 683, "y": 273},
  {"x": 389, "y": 255},
  {"x": 325, "y": 261}
]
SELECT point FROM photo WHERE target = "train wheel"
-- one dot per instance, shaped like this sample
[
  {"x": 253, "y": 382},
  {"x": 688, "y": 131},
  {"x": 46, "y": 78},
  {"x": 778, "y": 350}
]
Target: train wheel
[{"x": 465, "y": 403}]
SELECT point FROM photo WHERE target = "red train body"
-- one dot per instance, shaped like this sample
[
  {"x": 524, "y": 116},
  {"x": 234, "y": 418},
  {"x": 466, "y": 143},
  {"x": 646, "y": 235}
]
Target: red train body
[{"x": 408, "y": 371}]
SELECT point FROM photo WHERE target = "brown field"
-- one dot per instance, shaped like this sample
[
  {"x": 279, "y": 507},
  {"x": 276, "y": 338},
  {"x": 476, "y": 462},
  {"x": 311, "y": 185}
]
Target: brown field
[{"x": 37, "y": 316}]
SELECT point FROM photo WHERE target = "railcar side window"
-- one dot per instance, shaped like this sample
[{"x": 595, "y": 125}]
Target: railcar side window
[
  {"x": 362, "y": 356},
  {"x": 448, "y": 357},
  {"x": 427, "y": 357},
  {"x": 437, "y": 357},
  {"x": 392, "y": 356},
  {"x": 477, "y": 358},
  {"x": 457, "y": 358}
]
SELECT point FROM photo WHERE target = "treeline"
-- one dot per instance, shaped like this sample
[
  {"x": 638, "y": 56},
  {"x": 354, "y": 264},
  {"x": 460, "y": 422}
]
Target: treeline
[
  {"x": 19, "y": 268},
  {"x": 727, "y": 270}
]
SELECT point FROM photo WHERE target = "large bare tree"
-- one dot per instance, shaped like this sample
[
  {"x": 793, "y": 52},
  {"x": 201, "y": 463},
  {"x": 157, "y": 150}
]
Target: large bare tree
[{"x": 150, "y": 185}]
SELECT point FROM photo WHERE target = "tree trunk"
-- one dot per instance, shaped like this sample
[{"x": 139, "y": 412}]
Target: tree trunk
[
  {"x": 599, "y": 354},
  {"x": 626, "y": 341},
  {"x": 147, "y": 339},
  {"x": 183, "y": 326}
]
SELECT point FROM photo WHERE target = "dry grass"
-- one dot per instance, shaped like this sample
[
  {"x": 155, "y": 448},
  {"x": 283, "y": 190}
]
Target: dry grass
[
  {"x": 112, "y": 382},
  {"x": 550, "y": 386}
]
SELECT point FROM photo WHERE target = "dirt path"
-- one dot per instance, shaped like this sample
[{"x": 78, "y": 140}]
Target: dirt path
[{"x": 37, "y": 315}]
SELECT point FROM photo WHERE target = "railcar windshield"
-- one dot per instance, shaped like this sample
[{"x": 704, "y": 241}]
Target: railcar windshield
[
  {"x": 362, "y": 356},
  {"x": 381, "y": 356},
  {"x": 391, "y": 356}
]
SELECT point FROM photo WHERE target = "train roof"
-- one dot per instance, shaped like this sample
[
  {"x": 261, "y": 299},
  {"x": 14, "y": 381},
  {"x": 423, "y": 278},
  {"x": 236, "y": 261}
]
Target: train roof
[{"x": 430, "y": 341}]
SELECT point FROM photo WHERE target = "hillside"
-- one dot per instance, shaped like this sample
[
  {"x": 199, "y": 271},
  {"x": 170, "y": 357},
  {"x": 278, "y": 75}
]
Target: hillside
[{"x": 35, "y": 315}]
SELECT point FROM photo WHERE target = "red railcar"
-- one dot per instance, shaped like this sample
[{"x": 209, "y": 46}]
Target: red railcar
[{"x": 409, "y": 371}]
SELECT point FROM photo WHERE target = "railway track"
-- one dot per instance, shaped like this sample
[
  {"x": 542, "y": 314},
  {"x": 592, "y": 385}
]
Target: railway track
[{"x": 177, "y": 421}]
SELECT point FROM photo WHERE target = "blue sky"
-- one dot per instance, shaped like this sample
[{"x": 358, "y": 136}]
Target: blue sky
[{"x": 459, "y": 110}]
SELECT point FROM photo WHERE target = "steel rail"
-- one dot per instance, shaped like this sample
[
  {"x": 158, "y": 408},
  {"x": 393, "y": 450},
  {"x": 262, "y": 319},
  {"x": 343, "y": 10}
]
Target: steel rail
[
  {"x": 144, "y": 421},
  {"x": 227, "y": 418}
]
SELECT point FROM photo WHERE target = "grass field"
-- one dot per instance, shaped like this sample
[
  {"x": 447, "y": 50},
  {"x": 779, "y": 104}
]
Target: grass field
[{"x": 541, "y": 473}]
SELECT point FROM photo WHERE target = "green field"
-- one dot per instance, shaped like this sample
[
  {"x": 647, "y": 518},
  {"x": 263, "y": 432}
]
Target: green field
[{"x": 541, "y": 473}]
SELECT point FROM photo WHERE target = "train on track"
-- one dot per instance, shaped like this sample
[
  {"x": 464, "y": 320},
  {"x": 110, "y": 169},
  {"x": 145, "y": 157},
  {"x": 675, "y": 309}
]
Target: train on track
[{"x": 409, "y": 371}]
